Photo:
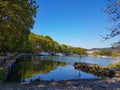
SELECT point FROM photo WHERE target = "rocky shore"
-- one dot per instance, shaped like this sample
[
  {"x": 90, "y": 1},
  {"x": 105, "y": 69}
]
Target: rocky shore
[
  {"x": 82, "y": 84},
  {"x": 97, "y": 70}
]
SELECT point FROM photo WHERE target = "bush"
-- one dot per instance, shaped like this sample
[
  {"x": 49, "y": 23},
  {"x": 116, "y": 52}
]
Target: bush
[{"x": 115, "y": 65}]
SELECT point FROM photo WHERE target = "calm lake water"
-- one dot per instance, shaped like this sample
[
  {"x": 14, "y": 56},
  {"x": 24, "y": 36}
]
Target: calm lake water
[{"x": 52, "y": 68}]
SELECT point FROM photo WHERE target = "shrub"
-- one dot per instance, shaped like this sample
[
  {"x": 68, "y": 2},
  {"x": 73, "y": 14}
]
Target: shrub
[{"x": 115, "y": 65}]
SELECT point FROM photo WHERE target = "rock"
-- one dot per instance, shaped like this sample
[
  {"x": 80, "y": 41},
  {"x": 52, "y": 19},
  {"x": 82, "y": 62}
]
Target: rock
[{"x": 95, "y": 69}]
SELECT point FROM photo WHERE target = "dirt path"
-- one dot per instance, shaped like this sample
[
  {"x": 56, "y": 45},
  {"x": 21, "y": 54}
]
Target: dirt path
[{"x": 83, "y": 84}]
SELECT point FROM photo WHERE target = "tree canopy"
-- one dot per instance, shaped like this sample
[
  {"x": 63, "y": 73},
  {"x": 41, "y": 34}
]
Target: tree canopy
[
  {"x": 46, "y": 43},
  {"x": 16, "y": 19}
]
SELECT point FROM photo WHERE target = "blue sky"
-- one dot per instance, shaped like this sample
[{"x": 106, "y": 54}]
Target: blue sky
[{"x": 76, "y": 23}]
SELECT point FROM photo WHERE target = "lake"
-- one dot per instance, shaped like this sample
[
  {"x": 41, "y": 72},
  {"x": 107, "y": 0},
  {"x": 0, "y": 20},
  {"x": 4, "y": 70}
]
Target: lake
[{"x": 52, "y": 68}]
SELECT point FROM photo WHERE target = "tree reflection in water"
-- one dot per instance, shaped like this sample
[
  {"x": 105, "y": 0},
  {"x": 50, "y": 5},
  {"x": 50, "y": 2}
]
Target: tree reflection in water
[{"x": 28, "y": 66}]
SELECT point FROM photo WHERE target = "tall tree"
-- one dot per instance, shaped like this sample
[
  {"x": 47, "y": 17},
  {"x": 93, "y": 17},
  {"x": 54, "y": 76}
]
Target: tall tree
[
  {"x": 113, "y": 11},
  {"x": 16, "y": 19}
]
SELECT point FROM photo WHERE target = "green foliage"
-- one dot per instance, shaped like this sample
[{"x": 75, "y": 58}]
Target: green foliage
[
  {"x": 16, "y": 19},
  {"x": 46, "y": 43},
  {"x": 114, "y": 54},
  {"x": 43, "y": 43},
  {"x": 103, "y": 52},
  {"x": 106, "y": 53},
  {"x": 115, "y": 65},
  {"x": 95, "y": 53},
  {"x": 3, "y": 73}
]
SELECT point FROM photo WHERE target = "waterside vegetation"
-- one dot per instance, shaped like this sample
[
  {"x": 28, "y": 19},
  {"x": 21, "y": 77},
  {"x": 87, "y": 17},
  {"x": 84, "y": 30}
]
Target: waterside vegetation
[
  {"x": 16, "y": 20},
  {"x": 105, "y": 53},
  {"x": 41, "y": 43},
  {"x": 115, "y": 65}
]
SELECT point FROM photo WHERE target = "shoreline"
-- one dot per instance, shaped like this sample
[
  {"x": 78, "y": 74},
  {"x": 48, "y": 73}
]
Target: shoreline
[
  {"x": 81, "y": 84},
  {"x": 75, "y": 84}
]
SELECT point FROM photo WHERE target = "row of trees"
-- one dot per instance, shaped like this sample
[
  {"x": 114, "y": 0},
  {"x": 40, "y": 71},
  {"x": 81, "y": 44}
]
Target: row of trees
[
  {"x": 17, "y": 17},
  {"x": 45, "y": 43},
  {"x": 16, "y": 20},
  {"x": 105, "y": 53}
]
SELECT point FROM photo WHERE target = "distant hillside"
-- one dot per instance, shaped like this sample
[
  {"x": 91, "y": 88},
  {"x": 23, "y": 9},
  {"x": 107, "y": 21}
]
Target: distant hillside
[
  {"x": 105, "y": 49},
  {"x": 43, "y": 43},
  {"x": 46, "y": 43}
]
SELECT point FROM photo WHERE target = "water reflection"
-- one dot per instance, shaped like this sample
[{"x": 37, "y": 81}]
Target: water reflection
[
  {"x": 29, "y": 66},
  {"x": 52, "y": 68}
]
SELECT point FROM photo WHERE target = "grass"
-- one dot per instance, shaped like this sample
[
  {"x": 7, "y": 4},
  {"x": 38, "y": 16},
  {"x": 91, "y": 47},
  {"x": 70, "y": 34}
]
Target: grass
[{"x": 115, "y": 65}]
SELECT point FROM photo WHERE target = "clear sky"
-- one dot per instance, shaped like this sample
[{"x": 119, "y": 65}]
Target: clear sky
[{"x": 73, "y": 22}]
